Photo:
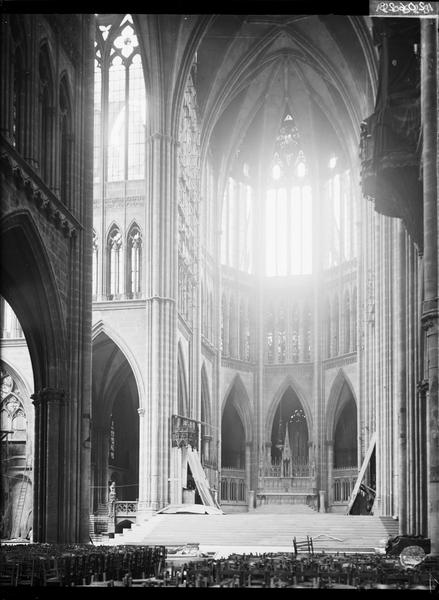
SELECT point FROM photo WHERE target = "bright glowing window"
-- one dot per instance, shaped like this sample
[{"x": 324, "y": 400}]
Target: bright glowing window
[
  {"x": 288, "y": 231},
  {"x": 339, "y": 217},
  {"x": 288, "y": 207},
  {"x": 237, "y": 226},
  {"x": 120, "y": 103}
]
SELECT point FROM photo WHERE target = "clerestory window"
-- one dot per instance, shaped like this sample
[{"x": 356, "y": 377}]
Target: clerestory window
[{"x": 120, "y": 104}]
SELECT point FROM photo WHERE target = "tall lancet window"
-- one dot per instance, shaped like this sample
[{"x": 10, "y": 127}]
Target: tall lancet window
[
  {"x": 288, "y": 206},
  {"x": 17, "y": 100},
  {"x": 114, "y": 262},
  {"x": 95, "y": 266},
  {"x": 120, "y": 101},
  {"x": 134, "y": 262},
  {"x": 65, "y": 141},
  {"x": 45, "y": 114}
]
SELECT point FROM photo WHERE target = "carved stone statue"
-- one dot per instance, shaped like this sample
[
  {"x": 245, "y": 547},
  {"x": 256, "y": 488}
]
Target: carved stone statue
[{"x": 111, "y": 499}]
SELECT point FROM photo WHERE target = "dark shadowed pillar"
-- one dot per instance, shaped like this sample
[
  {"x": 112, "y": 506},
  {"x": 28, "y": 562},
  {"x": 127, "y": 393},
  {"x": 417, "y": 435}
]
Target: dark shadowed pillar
[
  {"x": 47, "y": 480},
  {"x": 430, "y": 305}
]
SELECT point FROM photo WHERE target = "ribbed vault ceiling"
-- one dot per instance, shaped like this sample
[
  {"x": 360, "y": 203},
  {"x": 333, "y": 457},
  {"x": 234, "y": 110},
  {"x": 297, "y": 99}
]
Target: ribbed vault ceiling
[{"x": 254, "y": 69}]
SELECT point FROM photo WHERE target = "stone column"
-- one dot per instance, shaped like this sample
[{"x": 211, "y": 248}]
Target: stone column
[
  {"x": 330, "y": 454},
  {"x": 430, "y": 305},
  {"x": 47, "y": 474},
  {"x": 401, "y": 391},
  {"x": 248, "y": 448},
  {"x": 161, "y": 313}
]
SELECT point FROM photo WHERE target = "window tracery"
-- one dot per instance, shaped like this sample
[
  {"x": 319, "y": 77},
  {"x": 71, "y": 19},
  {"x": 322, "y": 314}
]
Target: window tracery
[
  {"x": 45, "y": 113},
  {"x": 13, "y": 415},
  {"x": 120, "y": 104},
  {"x": 65, "y": 141},
  {"x": 288, "y": 206},
  {"x": 134, "y": 259},
  {"x": 114, "y": 252}
]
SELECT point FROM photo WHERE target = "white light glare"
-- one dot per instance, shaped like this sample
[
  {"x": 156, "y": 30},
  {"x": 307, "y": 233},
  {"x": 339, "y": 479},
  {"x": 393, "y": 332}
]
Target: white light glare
[
  {"x": 332, "y": 162},
  {"x": 276, "y": 172},
  {"x": 301, "y": 169}
]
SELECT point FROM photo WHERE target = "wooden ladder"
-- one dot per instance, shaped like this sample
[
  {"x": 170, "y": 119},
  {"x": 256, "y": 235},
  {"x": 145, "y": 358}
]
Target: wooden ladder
[{"x": 21, "y": 500}]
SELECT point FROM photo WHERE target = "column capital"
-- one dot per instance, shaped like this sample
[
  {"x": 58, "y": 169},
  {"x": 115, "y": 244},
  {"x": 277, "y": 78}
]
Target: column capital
[
  {"x": 46, "y": 395},
  {"x": 141, "y": 411}
]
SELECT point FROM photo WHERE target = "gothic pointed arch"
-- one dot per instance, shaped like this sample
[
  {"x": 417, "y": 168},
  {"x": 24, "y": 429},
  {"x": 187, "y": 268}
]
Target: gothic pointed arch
[
  {"x": 337, "y": 399},
  {"x": 289, "y": 383},
  {"x": 101, "y": 327},
  {"x": 30, "y": 287},
  {"x": 115, "y": 423},
  {"x": 236, "y": 426},
  {"x": 290, "y": 431},
  {"x": 237, "y": 394}
]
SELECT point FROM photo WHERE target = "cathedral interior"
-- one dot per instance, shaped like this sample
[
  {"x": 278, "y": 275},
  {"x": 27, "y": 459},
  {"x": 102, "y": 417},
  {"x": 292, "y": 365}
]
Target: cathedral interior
[{"x": 219, "y": 264}]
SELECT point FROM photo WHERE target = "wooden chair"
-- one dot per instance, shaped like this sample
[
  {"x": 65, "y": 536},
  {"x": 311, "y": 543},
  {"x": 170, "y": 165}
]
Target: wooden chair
[{"x": 304, "y": 545}]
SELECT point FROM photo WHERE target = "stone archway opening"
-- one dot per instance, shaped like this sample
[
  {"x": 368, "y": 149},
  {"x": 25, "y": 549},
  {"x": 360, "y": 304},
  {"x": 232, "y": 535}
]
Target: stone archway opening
[
  {"x": 233, "y": 438},
  {"x": 115, "y": 425},
  {"x": 16, "y": 429},
  {"x": 234, "y": 456},
  {"x": 343, "y": 467},
  {"x": 289, "y": 433},
  {"x": 287, "y": 475},
  {"x": 345, "y": 436}
]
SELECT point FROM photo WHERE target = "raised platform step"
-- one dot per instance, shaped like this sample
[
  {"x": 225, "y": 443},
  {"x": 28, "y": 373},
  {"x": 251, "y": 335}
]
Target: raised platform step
[
  {"x": 285, "y": 509},
  {"x": 330, "y": 532}
]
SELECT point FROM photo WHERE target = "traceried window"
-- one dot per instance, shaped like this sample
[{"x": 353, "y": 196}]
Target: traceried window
[
  {"x": 17, "y": 100},
  {"x": 237, "y": 226},
  {"x": 295, "y": 333},
  {"x": 120, "y": 103},
  {"x": 281, "y": 335},
  {"x": 65, "y": 141},
  {"x": 45, "y": 113},
  {"x": 288, "y": 207},
  {"x": 134, "y": 261},
  {"x": 12, "y": 413},
  {"x": 10, "y": 325},
  {"x": 114, "y": 262},
  {"x": 339, "y": 217},
  {"x": 269, "y": 332}
]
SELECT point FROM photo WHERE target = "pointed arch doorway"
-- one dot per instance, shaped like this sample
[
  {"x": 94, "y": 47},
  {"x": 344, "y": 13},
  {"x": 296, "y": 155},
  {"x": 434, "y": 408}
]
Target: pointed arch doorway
[
  {"x": 115, "y": 425},
  {"x": 235, "y": 449},
  {"x": 288, "y": 475}
]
